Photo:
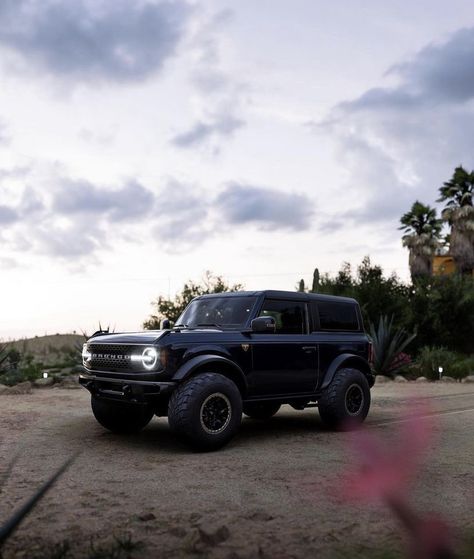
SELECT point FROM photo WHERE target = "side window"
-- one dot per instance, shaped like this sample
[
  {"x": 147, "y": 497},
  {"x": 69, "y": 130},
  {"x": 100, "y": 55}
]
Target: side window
[
  {"x": 290, "y": 316},
  {"x": 337, "y": 316}
]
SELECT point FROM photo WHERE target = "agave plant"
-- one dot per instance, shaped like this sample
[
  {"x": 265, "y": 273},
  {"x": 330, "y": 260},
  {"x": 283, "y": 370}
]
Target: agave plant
[
  {"x": 4, "y": 358},
  {"x": 388, "y": 344},
  {"x": 422, "y": 232},
  {"x": 459, "y": 213}
]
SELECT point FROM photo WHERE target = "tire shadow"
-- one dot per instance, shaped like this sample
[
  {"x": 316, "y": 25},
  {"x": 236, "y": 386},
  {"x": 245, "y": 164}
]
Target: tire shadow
[{"x": 157, "y": 436}]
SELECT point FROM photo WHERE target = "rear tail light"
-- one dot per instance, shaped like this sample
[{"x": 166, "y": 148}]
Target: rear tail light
[{"x": 371, "y": 353}]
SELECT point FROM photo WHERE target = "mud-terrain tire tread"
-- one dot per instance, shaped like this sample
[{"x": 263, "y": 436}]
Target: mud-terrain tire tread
[
  {"x": 182, "y": 417},
  {"x": 261, "y": 410},
  {"x": 121, "y": 417},
  {"x": 331, "y": 404}
]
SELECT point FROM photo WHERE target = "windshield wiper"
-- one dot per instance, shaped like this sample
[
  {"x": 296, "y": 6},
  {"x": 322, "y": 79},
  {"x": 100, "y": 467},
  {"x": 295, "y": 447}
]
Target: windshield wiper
[
  {"x": 211, "y": 324},
  {"x": 180, "y": 326}
]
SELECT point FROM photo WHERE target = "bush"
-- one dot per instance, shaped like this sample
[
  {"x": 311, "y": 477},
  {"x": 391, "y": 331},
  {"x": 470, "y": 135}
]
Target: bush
[
  {"x": 441, "y": 310},
  {"x": 20, "y": 369},
  {"x": 462, "y": 368},
  {"x": 377, "y": 295},
  {"x": 454, "y": 365}
]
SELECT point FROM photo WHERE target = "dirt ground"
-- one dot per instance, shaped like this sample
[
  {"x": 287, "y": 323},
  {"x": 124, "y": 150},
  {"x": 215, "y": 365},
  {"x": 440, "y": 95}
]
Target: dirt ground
[{"x": 264, "y": 495}]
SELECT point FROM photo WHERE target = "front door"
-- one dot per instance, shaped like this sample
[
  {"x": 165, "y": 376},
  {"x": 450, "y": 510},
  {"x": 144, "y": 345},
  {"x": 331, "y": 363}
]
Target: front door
[{"x": 285, "y": 362}]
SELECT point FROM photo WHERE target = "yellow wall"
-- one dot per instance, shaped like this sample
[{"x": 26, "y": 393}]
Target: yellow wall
[{"x": 443, "y": 265}]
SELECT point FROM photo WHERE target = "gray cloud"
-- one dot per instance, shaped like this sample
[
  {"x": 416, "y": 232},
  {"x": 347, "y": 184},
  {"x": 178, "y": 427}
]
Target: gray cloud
[
  {"x": 76, "y": 219},
  {"x": 223, "y": 126},
  {"x": 14, "y": 172},
  {"x": 7, "y": 215},
  {"x": 8, "y": 263},
  {"x": 399, "y": 143},
  {"x": 183, "y": 217},
  {"x": 444, "y": 71},
  {"x": 269, "y": 209},
  {"x": 130, "y": 201},
  {"x": 4, "y": 138},
  {"x": 119, "y": 41},
  {"x": 441, "y": 73},
  {"x": 77, "y": 239},
  {"x": 219, "y": 95}
]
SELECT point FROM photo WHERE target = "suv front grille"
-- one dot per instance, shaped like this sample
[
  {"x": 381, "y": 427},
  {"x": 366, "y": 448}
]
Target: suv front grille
[{"x": 113, "y": 357}]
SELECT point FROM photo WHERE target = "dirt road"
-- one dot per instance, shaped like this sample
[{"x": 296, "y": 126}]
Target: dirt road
[{"x": 265, "y": 495}]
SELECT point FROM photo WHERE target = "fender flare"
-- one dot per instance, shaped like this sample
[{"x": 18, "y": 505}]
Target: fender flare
[
  {"x": 199, "y": 361},
  {"x": 348, "y": 359}
]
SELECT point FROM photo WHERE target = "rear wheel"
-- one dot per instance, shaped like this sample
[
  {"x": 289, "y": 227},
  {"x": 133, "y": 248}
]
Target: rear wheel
[
  {"x": 206, "y": 411},
  {"x": 346, "y": 401},
  {"x": 121, "y": 417},
  {"x": 261, "y": 410}
]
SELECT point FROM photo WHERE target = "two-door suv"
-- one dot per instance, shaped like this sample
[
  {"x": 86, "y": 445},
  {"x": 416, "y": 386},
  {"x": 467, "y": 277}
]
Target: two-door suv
[{"x": 230, "y": 353}]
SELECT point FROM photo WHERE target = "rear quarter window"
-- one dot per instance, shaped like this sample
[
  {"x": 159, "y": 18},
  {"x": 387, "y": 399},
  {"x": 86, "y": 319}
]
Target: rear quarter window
[{"x": 337, "y": 316}]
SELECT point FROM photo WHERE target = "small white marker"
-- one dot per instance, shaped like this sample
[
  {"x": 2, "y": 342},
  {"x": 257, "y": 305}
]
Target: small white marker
[{"x": 45, "y": 375}]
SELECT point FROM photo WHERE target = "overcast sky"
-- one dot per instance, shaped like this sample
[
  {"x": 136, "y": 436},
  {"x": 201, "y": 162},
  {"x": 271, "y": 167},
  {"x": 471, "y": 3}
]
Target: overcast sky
[{"x": 144, "y": 142}]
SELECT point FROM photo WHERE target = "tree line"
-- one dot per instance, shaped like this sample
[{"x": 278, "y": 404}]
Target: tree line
[{"x": 435, "y": 312}]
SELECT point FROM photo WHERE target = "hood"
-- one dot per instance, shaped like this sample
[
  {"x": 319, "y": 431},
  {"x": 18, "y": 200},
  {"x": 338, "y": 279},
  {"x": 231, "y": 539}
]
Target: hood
[{"x": 147, "y": 337}]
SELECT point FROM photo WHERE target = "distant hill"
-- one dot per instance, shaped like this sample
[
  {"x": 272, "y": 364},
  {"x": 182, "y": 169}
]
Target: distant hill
[{"x": 43, "y": 346}]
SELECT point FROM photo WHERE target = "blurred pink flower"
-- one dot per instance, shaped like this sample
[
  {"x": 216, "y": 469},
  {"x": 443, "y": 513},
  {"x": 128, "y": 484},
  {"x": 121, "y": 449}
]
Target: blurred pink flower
[
  {"x": 384, "y": 469},
  {"x": 386, "y": 466},
  {"x": 431, "y": 539}
]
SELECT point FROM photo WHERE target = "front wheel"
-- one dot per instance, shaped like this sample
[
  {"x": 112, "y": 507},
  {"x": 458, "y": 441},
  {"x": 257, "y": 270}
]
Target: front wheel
[
  {"x": 346, "y": 401},
  {"x": 121, "y": 417},
  {"x": 206, "y": 410}
]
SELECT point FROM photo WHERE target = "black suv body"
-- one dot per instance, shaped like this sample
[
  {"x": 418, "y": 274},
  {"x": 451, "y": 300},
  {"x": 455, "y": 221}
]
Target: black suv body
[{"x": 234, "y": 352}]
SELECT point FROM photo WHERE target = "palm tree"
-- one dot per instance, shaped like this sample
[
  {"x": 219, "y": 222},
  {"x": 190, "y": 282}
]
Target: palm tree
[
  {"x": 422, "y": 232},
  {"x": 459, "y": 213}
]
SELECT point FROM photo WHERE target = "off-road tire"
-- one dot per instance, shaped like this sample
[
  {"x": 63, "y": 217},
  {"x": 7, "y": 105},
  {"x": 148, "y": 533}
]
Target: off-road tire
[
  {"x": 339, "y": 402},
  {"x": 261, "y": 410},
  {"x": 188, "y": 411},
  {"x": 121, "y": 417}
]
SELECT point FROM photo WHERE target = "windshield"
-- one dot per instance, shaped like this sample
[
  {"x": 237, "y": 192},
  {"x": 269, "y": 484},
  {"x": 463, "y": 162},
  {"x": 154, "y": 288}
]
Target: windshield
[{"x": 224, "y": 312}]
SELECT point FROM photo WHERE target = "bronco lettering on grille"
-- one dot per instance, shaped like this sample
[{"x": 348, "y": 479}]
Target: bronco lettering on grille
[{"x": 110, "y": 356}]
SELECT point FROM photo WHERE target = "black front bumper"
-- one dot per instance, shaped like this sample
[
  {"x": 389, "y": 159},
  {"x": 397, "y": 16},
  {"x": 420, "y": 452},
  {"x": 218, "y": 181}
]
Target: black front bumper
[{"x": 129, "y": 390}]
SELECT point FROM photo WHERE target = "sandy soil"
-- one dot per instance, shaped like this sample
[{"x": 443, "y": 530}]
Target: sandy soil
[{"x": 264, "y": 495}]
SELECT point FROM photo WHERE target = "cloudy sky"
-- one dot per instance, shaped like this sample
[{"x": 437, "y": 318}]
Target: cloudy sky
[{"x": 143, "y": 142}]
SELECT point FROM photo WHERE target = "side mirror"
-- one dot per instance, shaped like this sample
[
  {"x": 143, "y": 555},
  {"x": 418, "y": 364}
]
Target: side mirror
[
  {"x": 263, "y": 324},
  {"x": 165, "y": 324}
]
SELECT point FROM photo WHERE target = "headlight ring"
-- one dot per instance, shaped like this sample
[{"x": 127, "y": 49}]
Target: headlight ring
[{"x": 150, "y": 357}]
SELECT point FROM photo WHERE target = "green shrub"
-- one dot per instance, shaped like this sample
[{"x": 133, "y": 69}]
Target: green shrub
[
  {"x": 454, "y": 364},
  {"x": 462, "y": 368},
  {"x": 411, "y": 371},
  {"x": 20, "y": 369}
]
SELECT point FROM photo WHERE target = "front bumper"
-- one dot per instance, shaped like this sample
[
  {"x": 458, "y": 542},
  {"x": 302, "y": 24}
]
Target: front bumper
[{"x": 129, "y": 390}]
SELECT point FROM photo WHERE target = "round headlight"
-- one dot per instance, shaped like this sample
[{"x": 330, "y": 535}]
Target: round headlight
[
  {"x": 149, "y": 357},
  {"x": 86, "y": 354}
]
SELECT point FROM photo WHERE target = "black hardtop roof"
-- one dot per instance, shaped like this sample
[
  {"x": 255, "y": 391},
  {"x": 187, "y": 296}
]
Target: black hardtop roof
[{"x": 296, "y": 295}]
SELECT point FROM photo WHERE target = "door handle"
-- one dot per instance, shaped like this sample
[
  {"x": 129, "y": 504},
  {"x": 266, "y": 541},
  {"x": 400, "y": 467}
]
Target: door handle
[{"x": 309, "y": 348}]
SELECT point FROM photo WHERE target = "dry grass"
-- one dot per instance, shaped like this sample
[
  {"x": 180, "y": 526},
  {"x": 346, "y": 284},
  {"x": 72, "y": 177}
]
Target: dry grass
[{"x": 41, "y": 346}]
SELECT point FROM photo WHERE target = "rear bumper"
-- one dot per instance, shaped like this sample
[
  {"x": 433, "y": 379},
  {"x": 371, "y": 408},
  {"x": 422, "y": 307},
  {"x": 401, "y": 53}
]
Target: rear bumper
[{"x": 133, "y": 391}]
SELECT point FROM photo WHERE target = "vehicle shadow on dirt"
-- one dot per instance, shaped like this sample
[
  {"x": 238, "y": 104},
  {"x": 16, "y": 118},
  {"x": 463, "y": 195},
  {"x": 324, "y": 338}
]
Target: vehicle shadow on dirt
[{"x": 158, "y": 435}]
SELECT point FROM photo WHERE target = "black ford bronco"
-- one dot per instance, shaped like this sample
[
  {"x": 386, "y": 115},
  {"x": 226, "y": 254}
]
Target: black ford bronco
[{"x": 230, "y": 353}]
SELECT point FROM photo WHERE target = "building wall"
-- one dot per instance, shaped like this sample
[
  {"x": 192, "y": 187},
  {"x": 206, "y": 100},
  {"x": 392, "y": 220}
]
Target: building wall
[{"x": 443, "y": 265}]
